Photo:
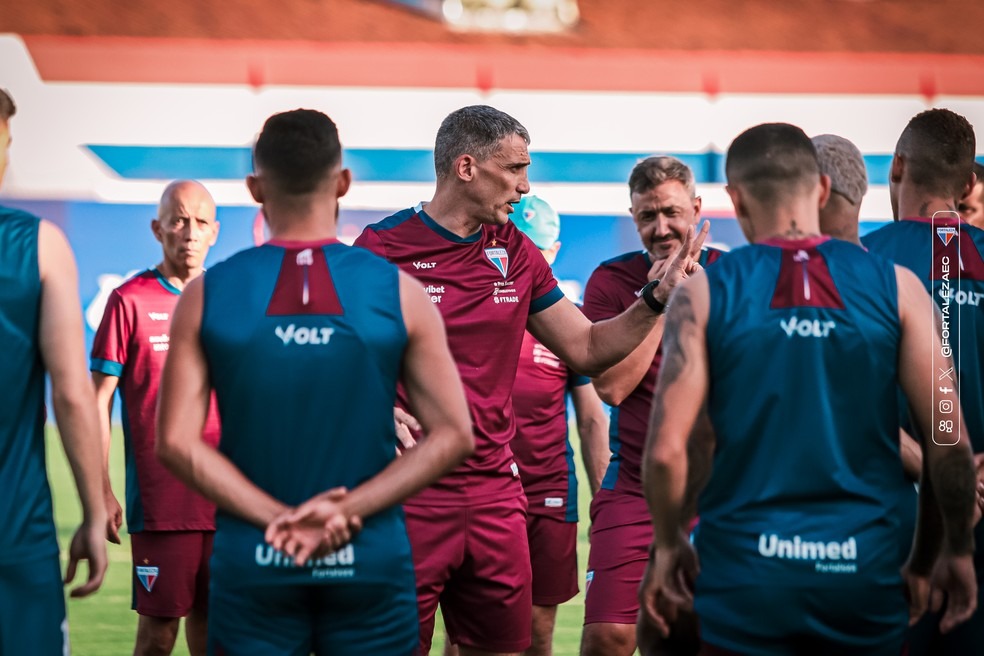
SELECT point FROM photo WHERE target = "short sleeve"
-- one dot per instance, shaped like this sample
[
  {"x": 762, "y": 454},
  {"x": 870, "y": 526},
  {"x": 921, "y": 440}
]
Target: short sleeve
[
  {"x": 370, "y": 240},
  {"x": 545, "y": 290},
  {"x": 109, "y": 348}
]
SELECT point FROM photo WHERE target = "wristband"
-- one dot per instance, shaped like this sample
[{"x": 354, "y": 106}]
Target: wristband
[{"x": 646, "y": 293}]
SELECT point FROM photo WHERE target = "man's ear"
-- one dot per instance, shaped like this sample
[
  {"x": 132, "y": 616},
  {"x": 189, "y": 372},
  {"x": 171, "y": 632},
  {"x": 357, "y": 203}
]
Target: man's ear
[
  {"x": 255, "y": 186},
  {"x": 824, "y": 190},
  {"x": 736, "y": 199},
  {"x": 155, "y": 227},
  {"x": 344, "y": 182},
  {"x": 464, "y": 167},
  {"x": 897, "y": 169},
  {"x": 968, "y": 188}
]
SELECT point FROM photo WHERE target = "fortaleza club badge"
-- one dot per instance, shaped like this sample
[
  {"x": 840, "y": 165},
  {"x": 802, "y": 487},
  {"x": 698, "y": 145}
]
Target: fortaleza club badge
[
  {"x": 147, "y": 576},
  {"x": 946, "y": 233},
  {"x": 500, "y": 258}
]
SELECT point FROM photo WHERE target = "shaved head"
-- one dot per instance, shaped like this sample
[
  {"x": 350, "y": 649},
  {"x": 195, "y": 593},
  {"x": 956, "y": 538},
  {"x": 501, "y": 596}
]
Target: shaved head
[
  {"x": 772, "y": 161},
  {"x": 186, "y": 227},
  {"x": 189, "y": 193},
  {"x": 937, "y": 148}
]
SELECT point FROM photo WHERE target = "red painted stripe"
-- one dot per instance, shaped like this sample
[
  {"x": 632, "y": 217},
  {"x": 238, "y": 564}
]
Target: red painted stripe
[{"x": 258, "y": 63}]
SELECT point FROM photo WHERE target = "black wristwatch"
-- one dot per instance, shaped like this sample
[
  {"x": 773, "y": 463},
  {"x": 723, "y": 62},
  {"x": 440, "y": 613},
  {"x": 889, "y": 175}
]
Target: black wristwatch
[{"x": 646, "y": 293}]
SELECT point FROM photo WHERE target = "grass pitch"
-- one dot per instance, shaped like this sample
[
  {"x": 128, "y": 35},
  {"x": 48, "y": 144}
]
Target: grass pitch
[{"x": 104, "y": 625}]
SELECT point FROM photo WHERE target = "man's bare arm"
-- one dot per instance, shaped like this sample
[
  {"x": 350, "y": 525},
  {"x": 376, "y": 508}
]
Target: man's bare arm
[
  {"x": 679, "y": 396},
  {"x": 182, "y": 410},
  {"x": 105, "y": 388},
  {"x": 592, "y": 429},
  {"x": 700, "y": 458},
  {"x": 911, "y": 456},
  {"x": 618, "y": 381},
  {"x": 680, "y": 393},
  {"x": 949, "y": 479},
  {"x": 63, "y": 351},
  {"x": 591, "y": 348}
]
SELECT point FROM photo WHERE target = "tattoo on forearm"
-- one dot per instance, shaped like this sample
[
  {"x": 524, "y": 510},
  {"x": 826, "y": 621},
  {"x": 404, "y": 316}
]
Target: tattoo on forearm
[
  {"x": 680, "y": 330},
  {"x": 700, "y": 458},
  {"x": 955, "y": 483},
  {"x": 678, "y": 336}
]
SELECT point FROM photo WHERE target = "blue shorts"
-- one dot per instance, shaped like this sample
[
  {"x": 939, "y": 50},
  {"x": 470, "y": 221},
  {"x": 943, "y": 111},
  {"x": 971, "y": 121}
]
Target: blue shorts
[
  {"x": 296, "y": 620},
  {"x": 775, "y": 620},
  {"x": 32, "y": 608}
]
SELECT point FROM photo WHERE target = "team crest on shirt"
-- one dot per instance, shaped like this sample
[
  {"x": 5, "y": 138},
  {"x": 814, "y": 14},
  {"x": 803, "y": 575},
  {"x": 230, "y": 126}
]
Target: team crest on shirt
[
  {"x": 946, "y": 233},
  {"x": 500, "y": 258},
  {"x": 147, "y": 576}
]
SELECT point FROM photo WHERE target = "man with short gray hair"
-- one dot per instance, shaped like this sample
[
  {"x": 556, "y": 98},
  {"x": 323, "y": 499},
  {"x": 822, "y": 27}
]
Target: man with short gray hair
[{"x": 490, "y": 282}]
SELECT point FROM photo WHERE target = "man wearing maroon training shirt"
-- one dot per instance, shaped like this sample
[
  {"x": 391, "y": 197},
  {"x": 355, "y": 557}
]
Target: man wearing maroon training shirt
[
  {"x": 468, "y": 530},
  {"x": 664, "y": 208},
  {"x": 170, "y": 526}
]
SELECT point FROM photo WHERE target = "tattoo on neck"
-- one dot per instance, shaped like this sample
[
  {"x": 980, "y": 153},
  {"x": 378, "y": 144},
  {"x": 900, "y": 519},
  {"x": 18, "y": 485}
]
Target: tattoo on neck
[{"x": 794, "y": 231}]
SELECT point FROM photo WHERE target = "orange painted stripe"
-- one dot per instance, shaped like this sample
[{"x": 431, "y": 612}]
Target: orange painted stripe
[{"x": 259, "y": 63}]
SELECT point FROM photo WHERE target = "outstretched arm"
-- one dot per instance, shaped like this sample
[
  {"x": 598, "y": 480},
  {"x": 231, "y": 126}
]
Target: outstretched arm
[
  {"x": 591, "y": 348},
  {"x": 63, "y": 351},
  {"x": 618, "y": 381},
  {"x": 947, "y": 492},
  {"x": 680, "y": 393},
  {"x": 182, "y": 409}
]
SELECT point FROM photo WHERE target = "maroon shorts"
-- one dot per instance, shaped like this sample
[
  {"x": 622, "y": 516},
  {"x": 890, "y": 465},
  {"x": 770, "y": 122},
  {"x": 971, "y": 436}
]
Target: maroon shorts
[
  {"x": 170, "y": 571},
  {"x": 475, "y": 561},
  {"x": 616, "y": 564},
  {"x": 553, "y": 556}
]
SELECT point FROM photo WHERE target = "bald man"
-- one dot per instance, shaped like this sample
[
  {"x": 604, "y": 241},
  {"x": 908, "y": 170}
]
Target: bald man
[{"x": 170, "y": 526}]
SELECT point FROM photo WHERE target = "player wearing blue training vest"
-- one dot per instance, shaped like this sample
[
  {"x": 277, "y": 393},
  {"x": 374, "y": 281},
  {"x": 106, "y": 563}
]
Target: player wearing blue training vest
[
  {"x": 41, "y": 330},
  {"x": 932, "y": 169},
  {"x": 796, "y": 344},
  {"x": 303, "y": 340}
]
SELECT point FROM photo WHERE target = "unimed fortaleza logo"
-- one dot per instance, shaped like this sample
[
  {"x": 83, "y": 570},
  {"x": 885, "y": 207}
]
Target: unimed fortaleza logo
[
  {"x": 304, "y": 335},
  {"x": 337, "y": 565},
  {"x": 819, "y": 551}
]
